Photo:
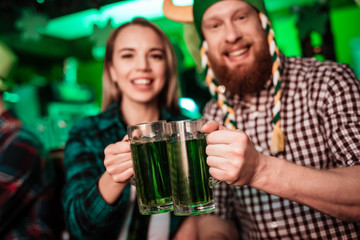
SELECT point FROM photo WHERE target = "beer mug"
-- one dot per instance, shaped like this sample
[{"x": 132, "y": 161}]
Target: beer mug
[
  {"x": 151, "y": 167},
  {"x": 191, "y": 183}
]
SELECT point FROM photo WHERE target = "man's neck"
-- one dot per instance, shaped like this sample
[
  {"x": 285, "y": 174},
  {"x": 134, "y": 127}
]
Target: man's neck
[{"x": 247, "y": 97}]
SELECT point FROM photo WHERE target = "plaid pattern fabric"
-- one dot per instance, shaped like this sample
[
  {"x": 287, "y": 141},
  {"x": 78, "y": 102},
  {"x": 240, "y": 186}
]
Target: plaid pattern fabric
[
  {"x": 321, "y": 121},
  {"x": 87, "y": 215},
  {"x": 24, "y": 197}
]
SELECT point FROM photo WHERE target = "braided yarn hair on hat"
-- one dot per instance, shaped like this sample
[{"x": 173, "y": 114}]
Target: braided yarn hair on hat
[{"x": 277, "y": 144}]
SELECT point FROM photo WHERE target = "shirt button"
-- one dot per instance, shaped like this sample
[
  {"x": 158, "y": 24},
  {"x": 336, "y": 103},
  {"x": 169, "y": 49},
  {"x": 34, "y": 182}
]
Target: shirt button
[
  {"x": 273, "y": 225},
  {"x": 349, "y": 162}
]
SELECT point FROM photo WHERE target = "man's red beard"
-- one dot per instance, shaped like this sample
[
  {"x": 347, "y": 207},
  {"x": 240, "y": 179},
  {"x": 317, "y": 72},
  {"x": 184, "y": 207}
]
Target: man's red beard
[{"x": 245, "y": 80}]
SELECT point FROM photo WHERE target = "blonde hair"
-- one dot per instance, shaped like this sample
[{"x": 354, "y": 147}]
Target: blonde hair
[{"x": 168, "y": 97}]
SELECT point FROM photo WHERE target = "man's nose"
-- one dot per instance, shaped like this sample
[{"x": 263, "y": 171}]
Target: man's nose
[{"x": 232, "y": 33}]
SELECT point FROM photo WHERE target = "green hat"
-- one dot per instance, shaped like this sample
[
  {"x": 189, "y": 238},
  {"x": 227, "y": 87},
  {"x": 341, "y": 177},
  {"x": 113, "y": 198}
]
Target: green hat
[
  {"x": 277, "y": 144},
  {"x": 200, "y": 7}
]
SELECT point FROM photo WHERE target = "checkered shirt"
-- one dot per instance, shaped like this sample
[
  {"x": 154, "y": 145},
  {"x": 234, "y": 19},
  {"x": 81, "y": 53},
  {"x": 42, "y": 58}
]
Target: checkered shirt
[
  {"x": 26, "y": 193},
  {"x": 320, "y": 117},
  {"x": 87, "y": 215}
]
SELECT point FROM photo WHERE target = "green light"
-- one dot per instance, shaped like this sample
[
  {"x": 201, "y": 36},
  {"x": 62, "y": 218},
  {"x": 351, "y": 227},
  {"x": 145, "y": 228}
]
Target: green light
[
  {"x": 316, "y": 39},
  {"x": 276, "y": 5},
  {"x": 343, "y": 25},
  {"x": 40, "y": 1},
  {"x": 355, "y": 53},
  {"x": 98, "y": 52},
  {"x": 11, "y": 97},
  {"x": 183, "y": 2},
  {"x": 189, "y": 108},
  {"x": 319, "y": 57},
  {"x": 286, "y": 35},
  {"x": 81, "y": 24}
]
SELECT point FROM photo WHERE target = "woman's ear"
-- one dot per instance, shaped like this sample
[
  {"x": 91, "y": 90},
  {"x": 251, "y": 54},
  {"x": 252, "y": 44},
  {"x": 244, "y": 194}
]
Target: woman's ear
[{"x": 112, "y": 73}]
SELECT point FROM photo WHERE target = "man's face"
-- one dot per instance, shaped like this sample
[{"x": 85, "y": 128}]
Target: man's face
[{"x": 238, "y": 50}]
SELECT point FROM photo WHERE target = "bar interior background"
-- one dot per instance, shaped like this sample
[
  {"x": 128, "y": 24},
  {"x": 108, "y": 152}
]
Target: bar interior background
[{"x": 61, "y": 43}]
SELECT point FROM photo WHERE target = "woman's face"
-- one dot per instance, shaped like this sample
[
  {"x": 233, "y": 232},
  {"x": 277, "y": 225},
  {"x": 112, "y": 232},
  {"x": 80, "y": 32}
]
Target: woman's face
[{"x": 138, "y": 66}]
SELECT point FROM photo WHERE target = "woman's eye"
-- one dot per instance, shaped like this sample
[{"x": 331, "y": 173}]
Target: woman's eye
[
  {"x": 126, "y": 56},
  {"x": 157, "y": 56}
]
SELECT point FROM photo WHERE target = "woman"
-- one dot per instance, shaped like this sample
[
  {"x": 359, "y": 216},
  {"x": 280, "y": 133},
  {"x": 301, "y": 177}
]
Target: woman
[{"x": 139, "y": 85}]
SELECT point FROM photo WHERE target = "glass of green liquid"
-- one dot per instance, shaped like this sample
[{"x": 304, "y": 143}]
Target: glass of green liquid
[
  {"x": 191, "y": 183},
  {"x": 151, "y": 167}
]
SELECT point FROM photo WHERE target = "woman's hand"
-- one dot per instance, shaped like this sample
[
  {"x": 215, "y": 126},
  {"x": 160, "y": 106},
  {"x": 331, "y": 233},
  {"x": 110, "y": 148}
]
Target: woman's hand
[
  {"x": 118, "y": 161},
  {"x": 119, "y": 169}
]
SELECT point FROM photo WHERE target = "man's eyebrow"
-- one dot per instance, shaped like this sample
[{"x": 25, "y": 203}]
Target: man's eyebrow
[{"x": 238, "y": 10}]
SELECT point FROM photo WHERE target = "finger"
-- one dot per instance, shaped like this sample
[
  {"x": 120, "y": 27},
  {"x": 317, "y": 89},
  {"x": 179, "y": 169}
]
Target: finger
[
  {"x": 117, "y": 159},
  {"x": 223, "y": 175},
  {"x": 217, "y": 173},
  {"x": 124, "y": 176},
  {"x": 229, "y": 165},
  {"x": 125, "y": 138},
  {"x": 119, "y": 168},
  {"x": 226, "y": 137},
  {"x": 216, "y": 162},
  {"x": 117, "y": 148},
  {"x": 218, "y": 150},
  {"x": 211, "y": 126}
]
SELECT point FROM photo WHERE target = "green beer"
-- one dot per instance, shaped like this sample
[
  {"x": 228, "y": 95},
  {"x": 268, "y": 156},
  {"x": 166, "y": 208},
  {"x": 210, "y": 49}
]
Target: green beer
[
  {"x": 152, "y": 176},
  {"x": 190, "y": 178}
]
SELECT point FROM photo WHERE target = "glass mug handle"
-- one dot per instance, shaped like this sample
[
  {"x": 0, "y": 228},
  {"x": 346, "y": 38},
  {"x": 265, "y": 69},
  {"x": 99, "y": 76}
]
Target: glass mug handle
[
  {"x": 132, "y": 178},
  {"x": 212, "y": 181},
  {"x": 132, "y": 181}
]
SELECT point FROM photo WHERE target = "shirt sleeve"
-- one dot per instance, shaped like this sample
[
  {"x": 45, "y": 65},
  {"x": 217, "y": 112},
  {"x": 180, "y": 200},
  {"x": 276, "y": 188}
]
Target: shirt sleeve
[
  {"x": 23, "y": 202},
  {"x": 86, "y": 213},
  {"x": 341, "y": 115}
]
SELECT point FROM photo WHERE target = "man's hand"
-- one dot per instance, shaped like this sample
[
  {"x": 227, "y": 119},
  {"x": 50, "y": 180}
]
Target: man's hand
[{"x": 231, "y": 155}]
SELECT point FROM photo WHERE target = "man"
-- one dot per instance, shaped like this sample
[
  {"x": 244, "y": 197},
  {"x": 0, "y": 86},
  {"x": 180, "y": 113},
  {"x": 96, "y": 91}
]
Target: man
[
  {"x": 289, "y": 155},
  {"x": 25, "y": 193}
]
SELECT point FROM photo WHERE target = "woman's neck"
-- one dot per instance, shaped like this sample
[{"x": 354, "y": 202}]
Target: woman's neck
[{"x": 134, "y": 113}]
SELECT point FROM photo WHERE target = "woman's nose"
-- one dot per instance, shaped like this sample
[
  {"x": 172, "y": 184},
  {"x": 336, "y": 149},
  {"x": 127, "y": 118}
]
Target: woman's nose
[{"x": 143, "y": 63}]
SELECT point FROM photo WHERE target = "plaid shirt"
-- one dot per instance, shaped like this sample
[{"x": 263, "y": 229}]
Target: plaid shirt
[
  {"x": 24, "y": 199},
  {"x": 320, "y": 117},
  {"x": 87, "y": 215}
]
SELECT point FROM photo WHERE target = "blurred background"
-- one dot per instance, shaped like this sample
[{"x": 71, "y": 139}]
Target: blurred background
[{"x": 60, "y": 45}]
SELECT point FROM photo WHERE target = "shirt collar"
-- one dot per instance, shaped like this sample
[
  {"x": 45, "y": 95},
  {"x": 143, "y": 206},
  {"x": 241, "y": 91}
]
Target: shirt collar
[{"x": 111, "y": 116}]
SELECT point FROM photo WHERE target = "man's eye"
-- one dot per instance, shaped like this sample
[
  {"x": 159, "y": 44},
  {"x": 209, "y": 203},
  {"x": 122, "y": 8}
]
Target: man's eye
[
  {"x": 214, "y": 26},
  {"x": 241, "y": 18}
]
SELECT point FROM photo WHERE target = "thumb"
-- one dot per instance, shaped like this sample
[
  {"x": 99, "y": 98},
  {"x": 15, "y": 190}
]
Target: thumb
[
  {"x": 126, "y": 138},
  {"x": 212, "y": 126}
]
